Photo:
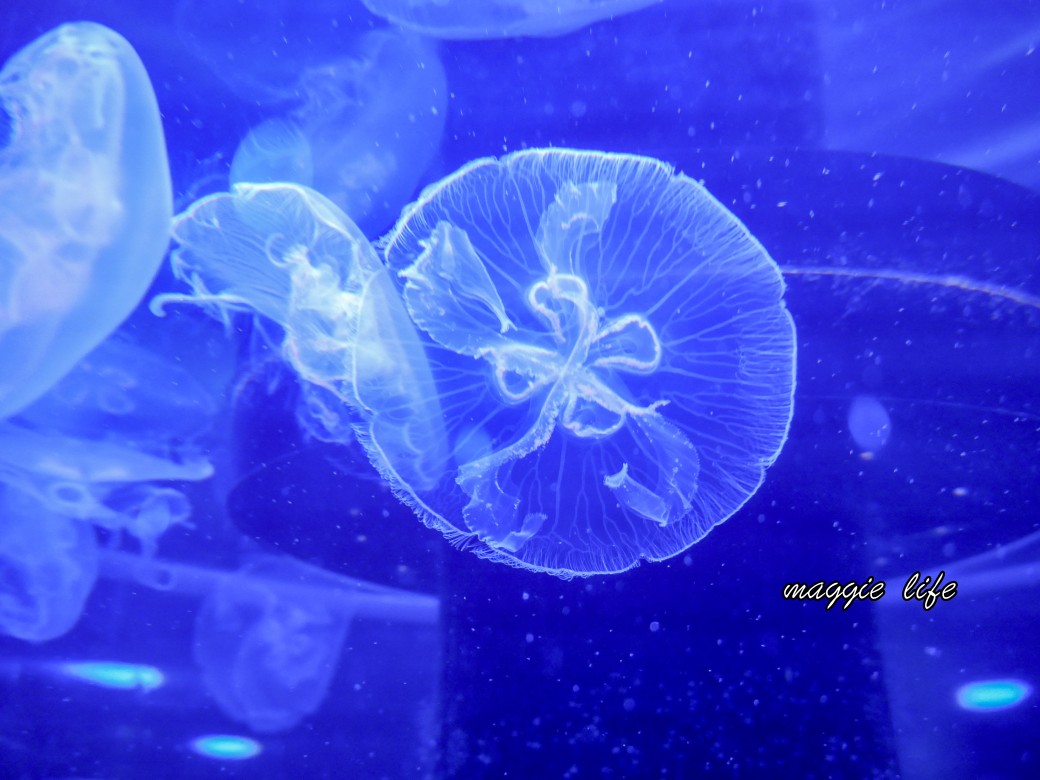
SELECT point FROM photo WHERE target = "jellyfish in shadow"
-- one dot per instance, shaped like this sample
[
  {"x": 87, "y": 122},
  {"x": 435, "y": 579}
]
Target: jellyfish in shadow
[
  {"x": 268, "y": 656},
  {"x": 365, "y": 130},
  {"x": 465, "y": 20},
  {"x": 111, "y": 443},
  {"x": 290, "y": 255},
  {"x": 85, "y": 202},
  {"x": 259, "y": 49},
  {"x": 48, "y": 566},
  {"x": 611, "y": 353},
  {"x": 268, "y": 636}
]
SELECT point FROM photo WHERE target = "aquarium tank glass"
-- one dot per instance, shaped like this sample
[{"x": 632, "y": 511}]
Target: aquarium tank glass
[{"x": 519, "y": 389}]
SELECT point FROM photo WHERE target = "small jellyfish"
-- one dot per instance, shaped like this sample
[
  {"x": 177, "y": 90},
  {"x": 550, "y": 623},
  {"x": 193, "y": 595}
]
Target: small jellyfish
[
  {"x": 274, "y": 150},
  {"x": 85, "y": 202},
  {"x": 366, "y": 128},
  {"x": 48, "y": 565},
  {"x": 467, "y": 20},
  {"x": 869, "y": 423},
  {"x": 267, "y": 647},
  {"x": 611, "y": 353},
  {"x": 287, "y": 253}
]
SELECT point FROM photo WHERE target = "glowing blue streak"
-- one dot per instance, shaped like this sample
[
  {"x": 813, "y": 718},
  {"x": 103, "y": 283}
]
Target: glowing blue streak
[
  {"x": 112, "y": 674},
  {"x": 226, "y": 747},
  {"x": 991, "y": 695}
]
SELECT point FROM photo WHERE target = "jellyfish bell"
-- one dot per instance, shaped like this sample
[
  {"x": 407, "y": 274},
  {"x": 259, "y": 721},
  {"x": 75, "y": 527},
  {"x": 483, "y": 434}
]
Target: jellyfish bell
[
  {"x": 464, "y": 20},
  {"x": 85, "y": 202},
  {"x": 269, "y": 635},
  {"x": 48, "y": 566},
  {"x": 289, "y": 254},
  {"x": 274, "y": 150},
  {"x": 267, "y": 657},
  {"x": 613, "y": 356},
  {"x": 364, "y": 127}
]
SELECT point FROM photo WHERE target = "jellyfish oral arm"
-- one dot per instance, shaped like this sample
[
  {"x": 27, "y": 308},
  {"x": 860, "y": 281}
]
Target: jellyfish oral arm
[{"x": 570, "y": 381}]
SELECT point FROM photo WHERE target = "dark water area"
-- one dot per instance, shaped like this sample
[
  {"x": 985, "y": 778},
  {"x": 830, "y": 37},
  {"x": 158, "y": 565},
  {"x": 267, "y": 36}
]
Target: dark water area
[{"x": 214, "y": 523}]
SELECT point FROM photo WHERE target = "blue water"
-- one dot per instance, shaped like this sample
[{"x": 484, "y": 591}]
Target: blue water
[{"x": 223, "y": 441}]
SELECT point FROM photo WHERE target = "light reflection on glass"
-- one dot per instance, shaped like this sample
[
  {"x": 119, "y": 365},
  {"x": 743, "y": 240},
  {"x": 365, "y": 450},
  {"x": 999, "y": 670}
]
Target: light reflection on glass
[
  {"x": 226, "y": 747},
  {"x": 114, "y": 674},
  {"x": 990, "y": 695}
]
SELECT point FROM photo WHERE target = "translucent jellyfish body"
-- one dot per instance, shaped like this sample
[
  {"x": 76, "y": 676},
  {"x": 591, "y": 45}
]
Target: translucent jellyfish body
[
  {"x": 610, "y": 350},
  {"x": 367, "y": 126},
  {"x": 465, "y": 19},
  {"x": 269, "y": 635},
  {"x": 268, "y": 656},
  {"x": 111, "y": 441},
  {"x": 85, "y": 202},
  {"x": 48, "y": 566},
  {"x": 289, "y": 254}
]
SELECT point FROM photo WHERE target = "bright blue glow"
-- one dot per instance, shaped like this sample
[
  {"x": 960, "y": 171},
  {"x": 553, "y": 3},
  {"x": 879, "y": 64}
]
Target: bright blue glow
[
  {"x": 990, "y": 695},
  {"x": 113, "y": 674},
  {"x": 226, "y": 747}
]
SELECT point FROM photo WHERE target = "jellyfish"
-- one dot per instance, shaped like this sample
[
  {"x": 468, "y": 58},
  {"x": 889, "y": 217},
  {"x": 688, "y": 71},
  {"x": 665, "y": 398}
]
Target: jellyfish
[
  {"x": 258, "y": 49},
  {"x": 611, "y": 352},
  {"x": 85, "y": 202},
  {"x": 869, "y": 423},
  {"x": 268, "y": 635},
  {"x": 365, "y": 130},
  {"x": 289, "y": 255},
  {"x": 131, "y": 390},
  {"x": 267, "y": 657},
  {"x": 274, "y": 150},
  {"x": 111, "y": 442},
  {"x": 464, "y": 20},
  {"x": 48, "y": 566}
]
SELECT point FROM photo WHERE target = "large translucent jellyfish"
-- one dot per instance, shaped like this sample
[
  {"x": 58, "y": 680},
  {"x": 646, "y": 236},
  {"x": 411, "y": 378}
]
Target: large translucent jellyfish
[
  {"x": 48, "y": 565},
  {"x": 289, "y": 254},
  {"x": 465, "y": 19},
  {"x": 367, "y": 126},
  {"x": 610, "y": 350},
  {"x": 85, "y": 202}
]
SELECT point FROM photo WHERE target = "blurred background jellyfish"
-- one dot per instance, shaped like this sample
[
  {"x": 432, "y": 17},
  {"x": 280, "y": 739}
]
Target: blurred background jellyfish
[
  {"x": 364, "y": 131},
  {"x": 48, "y": 565},
  {"x": 259, "y": 49},
  {"x": 85, "y": 202},
  {"x": 290, "y": 255},
  {"x": 464, "y": 19},
  {"x": 869, "y": 423},
  {"x": 611, "y": 353},
  {"x": 112, "y": 443},
  {"x": 268, "y": 642}
]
